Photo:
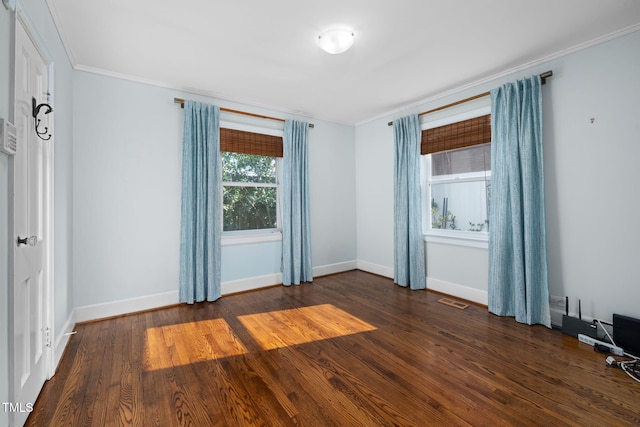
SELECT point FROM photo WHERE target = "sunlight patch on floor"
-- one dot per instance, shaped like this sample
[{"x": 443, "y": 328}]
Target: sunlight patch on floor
[
  {"x": 186, "y": 343},
  {"x": 283, "y": 328},
  {"x": 193, "y": 342}
]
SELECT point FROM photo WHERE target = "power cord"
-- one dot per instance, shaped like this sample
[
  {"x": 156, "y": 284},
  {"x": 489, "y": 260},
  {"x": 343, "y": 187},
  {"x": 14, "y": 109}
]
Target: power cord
[
  {"x": 605, "y": 331},
  {"x": 630, "y": 367}
]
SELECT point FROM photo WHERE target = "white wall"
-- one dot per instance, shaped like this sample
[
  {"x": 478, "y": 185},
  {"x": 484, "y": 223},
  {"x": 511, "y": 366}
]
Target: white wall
[
  {"x": 127, "y": 178},
  {"x": 333, "y": 193},
  {"x": 592, "y": 176},
  {"x": 458, "y": 270},
  {"x": 374, "y": 197},
  {"x": 591, "y": 179}
]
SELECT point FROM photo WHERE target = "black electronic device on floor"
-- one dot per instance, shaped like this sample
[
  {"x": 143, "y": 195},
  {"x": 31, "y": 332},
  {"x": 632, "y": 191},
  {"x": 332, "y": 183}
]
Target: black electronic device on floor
[
  {"x": 575, "y": 326},
  {"x": 626, "y": 333}
]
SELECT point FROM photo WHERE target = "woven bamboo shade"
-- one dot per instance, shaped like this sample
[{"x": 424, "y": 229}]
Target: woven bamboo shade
[
  {"x": 238, "y": 141},
  {"x": 462, "y": 134}
]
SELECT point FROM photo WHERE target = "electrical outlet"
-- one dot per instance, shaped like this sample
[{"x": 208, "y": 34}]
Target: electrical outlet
[{"x": 554, "y": 300}]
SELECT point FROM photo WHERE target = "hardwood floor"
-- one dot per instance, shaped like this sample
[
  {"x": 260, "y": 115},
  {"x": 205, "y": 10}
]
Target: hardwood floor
[{"x": 348, "y": 350}]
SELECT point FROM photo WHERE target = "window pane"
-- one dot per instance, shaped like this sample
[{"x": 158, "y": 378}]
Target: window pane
[
  {"x": 238, "y": 167},
  {"x": 464, "y": 160},
  {"x": 460, "y": 206},
  {"x": 249, "y": 208}
]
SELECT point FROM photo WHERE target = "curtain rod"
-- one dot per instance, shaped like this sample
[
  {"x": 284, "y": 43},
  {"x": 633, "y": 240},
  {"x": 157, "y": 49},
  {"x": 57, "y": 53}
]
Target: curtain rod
[
  {"x": 543, "y": 78},
  {"x": 229, "y": 110}
]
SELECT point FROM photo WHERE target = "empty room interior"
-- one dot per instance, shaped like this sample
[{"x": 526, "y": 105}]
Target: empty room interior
[{"x": 338, "y": 213}]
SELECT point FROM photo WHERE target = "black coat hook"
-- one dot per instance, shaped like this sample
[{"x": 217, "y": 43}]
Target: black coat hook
[{"x": 35, "y": 110}]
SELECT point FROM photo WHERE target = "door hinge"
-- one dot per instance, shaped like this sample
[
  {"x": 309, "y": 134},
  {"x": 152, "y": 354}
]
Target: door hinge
[{"x": 47, "y": 336}]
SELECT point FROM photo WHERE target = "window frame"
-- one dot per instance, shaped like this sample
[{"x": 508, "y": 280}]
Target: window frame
[
  {"x": 242, "y": 237},
  {"x": 479, "y": 239}
]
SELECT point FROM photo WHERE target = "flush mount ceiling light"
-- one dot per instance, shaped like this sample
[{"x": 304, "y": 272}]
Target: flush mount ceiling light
[{"x": 335, "y": 41}]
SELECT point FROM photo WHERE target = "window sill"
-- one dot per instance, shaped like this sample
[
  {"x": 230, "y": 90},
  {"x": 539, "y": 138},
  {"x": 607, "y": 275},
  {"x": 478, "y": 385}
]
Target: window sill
[
  {"x": 481, "y": 242},
  {"x": 248, "y": 238}
]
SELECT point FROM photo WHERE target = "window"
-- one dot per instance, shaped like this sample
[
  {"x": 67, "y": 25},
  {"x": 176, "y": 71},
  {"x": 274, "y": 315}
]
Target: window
[
  {"x": 250, "y": 192},
  {"x": 457, "y": 176},
  {"x": 250, "y": 181}
]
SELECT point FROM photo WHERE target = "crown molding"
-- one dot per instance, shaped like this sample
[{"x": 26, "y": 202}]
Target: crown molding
[{"x": 542, "y": 60}]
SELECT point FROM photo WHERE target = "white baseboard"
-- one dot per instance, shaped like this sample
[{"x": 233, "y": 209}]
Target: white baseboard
[
  {"x": 339, "y": 267},
  {"x": 453, "y": 289},
  {"x": 147, "y": 302},
  {"x": 460, "y": 291},
  {"x": 62, "y": 339},
  {"x": 250, "y": 283},
  {"x": 130, "y": 305},
  {"x": 378, "y": 269}
]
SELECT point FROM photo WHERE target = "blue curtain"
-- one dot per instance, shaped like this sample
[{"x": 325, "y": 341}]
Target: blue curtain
[
  {"x": 201, "y": 216},
  {"x": 409, "y": 262},
  {"x": 517, "y": 244},
  {"x": 296, "y": 232}
]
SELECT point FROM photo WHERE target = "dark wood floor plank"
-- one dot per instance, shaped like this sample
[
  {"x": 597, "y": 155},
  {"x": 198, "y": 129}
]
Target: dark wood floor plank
[
  {"x": 285, "y": 384},
  {"x": 186, "y": 405},
  {"x": 64, "y": 387},
  {"x": 348, "y": 350},
  {"x": 120, "y": 379},
  {"x": 100, "y": 356}
]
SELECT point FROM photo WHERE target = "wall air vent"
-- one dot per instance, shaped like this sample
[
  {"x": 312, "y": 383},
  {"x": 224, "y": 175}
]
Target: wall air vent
[{"x": 8, "y": 138}]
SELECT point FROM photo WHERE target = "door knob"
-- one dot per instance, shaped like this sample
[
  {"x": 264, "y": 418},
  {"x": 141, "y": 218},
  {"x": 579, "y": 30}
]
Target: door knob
[{"x": 31, "y": 241}]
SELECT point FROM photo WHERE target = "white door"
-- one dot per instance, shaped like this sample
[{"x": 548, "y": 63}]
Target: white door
[{"x": 31, "y": 297}]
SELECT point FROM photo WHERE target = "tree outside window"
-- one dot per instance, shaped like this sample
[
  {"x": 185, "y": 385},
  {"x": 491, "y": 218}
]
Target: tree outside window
[{"x": 250, "y": 192}]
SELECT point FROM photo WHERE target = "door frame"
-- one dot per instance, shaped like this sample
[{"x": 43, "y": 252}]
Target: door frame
[{"x": 21, "y": 18}]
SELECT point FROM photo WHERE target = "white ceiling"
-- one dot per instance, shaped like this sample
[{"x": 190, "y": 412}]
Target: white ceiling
[{"x": 263, "y": 53}]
